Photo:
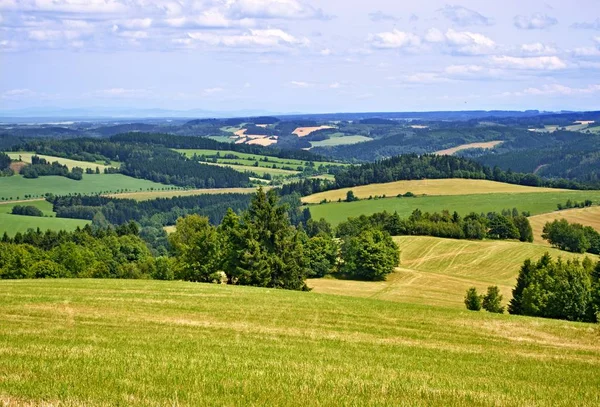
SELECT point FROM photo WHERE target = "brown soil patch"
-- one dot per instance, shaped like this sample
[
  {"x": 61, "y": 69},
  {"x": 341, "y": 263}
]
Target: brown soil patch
[{"x": 17, "y": 166}]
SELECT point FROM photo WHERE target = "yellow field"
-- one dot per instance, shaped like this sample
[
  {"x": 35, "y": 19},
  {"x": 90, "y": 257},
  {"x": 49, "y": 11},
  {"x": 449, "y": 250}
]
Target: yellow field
[
  {"x": 436, "y": 271},
  {"x": 450, "y": 151},
  {"x": 147, "y": 195},
  {"x": 585, "y": 216},
  {"x": 426, "y": 187},
  {"x": 170, "y": 229},
  {"x": 26, "y": 157},
  {"x": 261, "y": 141},
  {"x": 305, "y": 131}
]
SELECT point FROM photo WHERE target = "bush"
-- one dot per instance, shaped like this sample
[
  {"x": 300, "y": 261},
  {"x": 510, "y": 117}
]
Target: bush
[
  {"x": 473, "y": 300},
  {"x": 492, "y": 301},
  {"x": 26, "y": 210},
  {"x": 371, "y": 255}
]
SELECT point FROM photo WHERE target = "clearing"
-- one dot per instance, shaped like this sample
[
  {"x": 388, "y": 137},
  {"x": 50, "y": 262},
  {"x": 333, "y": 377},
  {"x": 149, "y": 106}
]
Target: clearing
[
  {"x": 585, "y": 216},
  {"x": 11, "y": 224},
  {"x": 487, "y": 146},
  {"x": 536, "y": 203},
  {"x": 118, "y": 342},
  {"x": 305, "y": 131},
  {"x": 16, "y": 187},
  {"x": 437, "y": 271},
  {"x": 453, "y": 186},
  {"x": 26, "y": 158}
]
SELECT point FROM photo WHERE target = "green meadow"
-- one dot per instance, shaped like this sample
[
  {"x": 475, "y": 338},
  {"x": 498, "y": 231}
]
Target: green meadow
[
  {"x": 16, "y": 187},
  {"x": 11, "y": 224},
  {"x": 115, "y": 342},
  {"x": 536, "y": 203}
]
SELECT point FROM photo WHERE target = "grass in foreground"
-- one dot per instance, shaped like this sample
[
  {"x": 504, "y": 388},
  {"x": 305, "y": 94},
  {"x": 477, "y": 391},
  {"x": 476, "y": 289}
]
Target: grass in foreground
[
  {"x": 11, "y": 224},
  {"x": 585, "y": 216},
  {"x": 436, "y": 187},
  {"x": 16, "y": 187},
  {"x": 437, "y": 271},
  {"x": 536, "y": 203},
  {"x": 85, "y": 342}
]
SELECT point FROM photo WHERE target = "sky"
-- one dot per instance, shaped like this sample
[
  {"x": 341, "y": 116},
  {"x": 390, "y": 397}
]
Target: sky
[{"x": 288, "y": 56}]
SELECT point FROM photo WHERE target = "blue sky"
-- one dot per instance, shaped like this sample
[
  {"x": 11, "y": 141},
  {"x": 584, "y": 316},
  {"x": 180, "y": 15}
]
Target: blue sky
[{"x": 300, "y": 55}]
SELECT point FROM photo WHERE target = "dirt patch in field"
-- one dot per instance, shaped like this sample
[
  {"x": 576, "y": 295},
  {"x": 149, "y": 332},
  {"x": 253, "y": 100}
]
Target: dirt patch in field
[
  {"x": 451, "y": 151},
  {"x": 17, "y": 166},
  {"x": 305, "y": 131}
]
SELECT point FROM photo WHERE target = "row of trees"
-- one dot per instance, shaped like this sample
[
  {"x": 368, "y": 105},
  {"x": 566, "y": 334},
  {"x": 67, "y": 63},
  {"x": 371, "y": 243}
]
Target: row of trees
[
  {"x": 572, "y": 237},
  {"x": 507, "y": 226},
  {"x": 574, "y": 204},
  {"x": 558, "y": 289},
  {"x": 491, "y": 301},
  {"x": 26, "y": 210},
  {"x": 41, "y": 167}
]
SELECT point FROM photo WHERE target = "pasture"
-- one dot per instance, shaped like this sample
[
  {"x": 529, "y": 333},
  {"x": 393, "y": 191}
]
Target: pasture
[
  {"x": 12, "y": 224},
  {"x": 426, "y": 187},
  {"x": 148, "y": 195},
  {"x": 17, "y": 187},
  {"x": 435, "y": 271},
  {"x": 534, "y": 202},
  {"x": 26, "y": 158},
  {"x": 585, "y": 216},
  {"x": 118, "y": 342},
  {"x": 486, "y": 146}
]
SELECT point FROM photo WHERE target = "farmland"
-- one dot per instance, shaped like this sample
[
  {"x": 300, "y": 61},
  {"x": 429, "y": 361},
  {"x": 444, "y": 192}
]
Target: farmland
[
  {"x": 426, "y": 187},
  {"x": 438, "y": 271},
  {"x": 147, "y": 195},
  {"x": 338, "y": 139},
  {"x": 12, "y": 224},
  {"x": 26, "y": 157},
  {"x": 535, "y": 203},
  {"x": 17, "y": 187},
  {"x": 585, "y": 216},
  {"x": 108, "y": 342},
  {"x": 486, "y": 146}
]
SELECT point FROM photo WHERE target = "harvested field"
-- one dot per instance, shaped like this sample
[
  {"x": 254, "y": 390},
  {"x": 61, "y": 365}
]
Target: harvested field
[
  {"x": 585, "y": 216},
  {"x": 305, "y": 131},
  {"x": 451, "y": 151},
  {"x": 148, "y": 195}
]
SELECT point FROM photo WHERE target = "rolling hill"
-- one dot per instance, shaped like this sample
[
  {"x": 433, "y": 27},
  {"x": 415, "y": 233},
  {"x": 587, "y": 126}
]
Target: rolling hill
[{"x": 585, "y": 216}]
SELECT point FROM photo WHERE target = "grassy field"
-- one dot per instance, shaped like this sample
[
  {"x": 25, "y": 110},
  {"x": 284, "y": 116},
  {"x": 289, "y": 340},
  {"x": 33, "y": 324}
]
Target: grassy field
[
  {"x": 26, "y": 157},
  {"x": 258, "y": 170},
  {"x": 339, "y": 139},
  {"x": 438, "y": 271},
  {"x": 451, "y": 151},
  {"x": 585, "y": 216},
  {"x": 109, "y": 342},
  {"x": 251, "y": 158},
  {"x": 536, "y": 203},
  {"x": 426, "y": 187},
  {"x": 11, "y": 224},
  {"x": 148, "y": 195},
  {"x": 16, "y": 187}
]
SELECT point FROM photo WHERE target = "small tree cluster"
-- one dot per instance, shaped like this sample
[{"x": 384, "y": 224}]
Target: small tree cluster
[
  {"x": 572, "y": 237},
  {"x": 491, "y": 301}
]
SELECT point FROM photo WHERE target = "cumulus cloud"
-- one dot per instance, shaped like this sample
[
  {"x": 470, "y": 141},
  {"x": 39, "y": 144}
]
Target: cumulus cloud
[
  {"x": 462, "y": 42},
  {"x": 269, "y": 38},
  {"x": 212, "y": 18},
  {"x": 284, "y": 9},
  {"x": 537, "y": 21},
  {"x": 425, "y": 78},
  {"x": 464, "y": 16},
  {"x": 66, "y": 6},
  {"x": 394, "y": 39},
  {"x": 543, "y": 63},
  {"x": 538, "y": 48},
  {"x": 592, "y": 25}
]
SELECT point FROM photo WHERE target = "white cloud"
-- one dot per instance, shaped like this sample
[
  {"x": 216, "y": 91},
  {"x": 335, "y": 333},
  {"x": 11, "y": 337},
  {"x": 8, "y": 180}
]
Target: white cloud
[
  {"x": 283, "y": 9},
  {"x": 544, "y": 63},
  {"x": 378, "y": 16},
  {"x": 537, "y": 21},
  {"x": 17, "y": 94},
  {"x": 394, "y": 40},
  {"x": 212, "y": 18},
  {"x": 586, "y": 52},
  {"x": 211, "y": 91},
  {"x": 462, "y": 42},
  {"x": 335, "y": 85},
  {"x": 268, "y": 38},
  {"x": 137, "y": 23},
  {"x": 426, "y": 78},
  {"x": 464, "y": 70},
  {"x": 464, "y": 16},
  {"x": 556, "y": 89},
  {"x": 66, "y": 6},
  {"x": 120, "y": 93},
  {"x": 594, "y": 25},
  {"x": 134, "y": 35},
  {"x": 300, "y": 84},
  {"x": 326, "y": 52},
  {"x": 538, "y": 48}
]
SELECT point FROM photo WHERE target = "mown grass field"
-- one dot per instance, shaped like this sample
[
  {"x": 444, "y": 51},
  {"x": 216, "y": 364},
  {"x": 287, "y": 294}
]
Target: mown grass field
[
  {"x": 12, "y": 224},
  {"x": 536, "y": 203},
  {"x": 258, "y": 170},
  {"x": 249, "y": 159},
  {"x": 585, "y": 216},
  {"x": 339, "y": 139},
  {"x": 26, "y": 157},
  {"x": 438, "y": 271},
  {"x": 148, "y": 195},
  {"x": 453, "y": 186},
  {"x": 107, "y": 342},
  {"x": 16, "y": 187}
]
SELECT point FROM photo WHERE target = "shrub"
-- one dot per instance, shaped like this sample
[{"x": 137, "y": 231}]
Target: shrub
[
  {"x": 473, "y": 300},
  {"x": 492, "y": 301}
]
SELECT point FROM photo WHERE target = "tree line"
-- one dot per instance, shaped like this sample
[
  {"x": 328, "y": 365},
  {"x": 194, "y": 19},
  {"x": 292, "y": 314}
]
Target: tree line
[
  {"x": 572, "y": 237},
  {"x": 40, "y": 167},
  {"x": 5, "y": 161},
  {"x": 26, "y": 210}
]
